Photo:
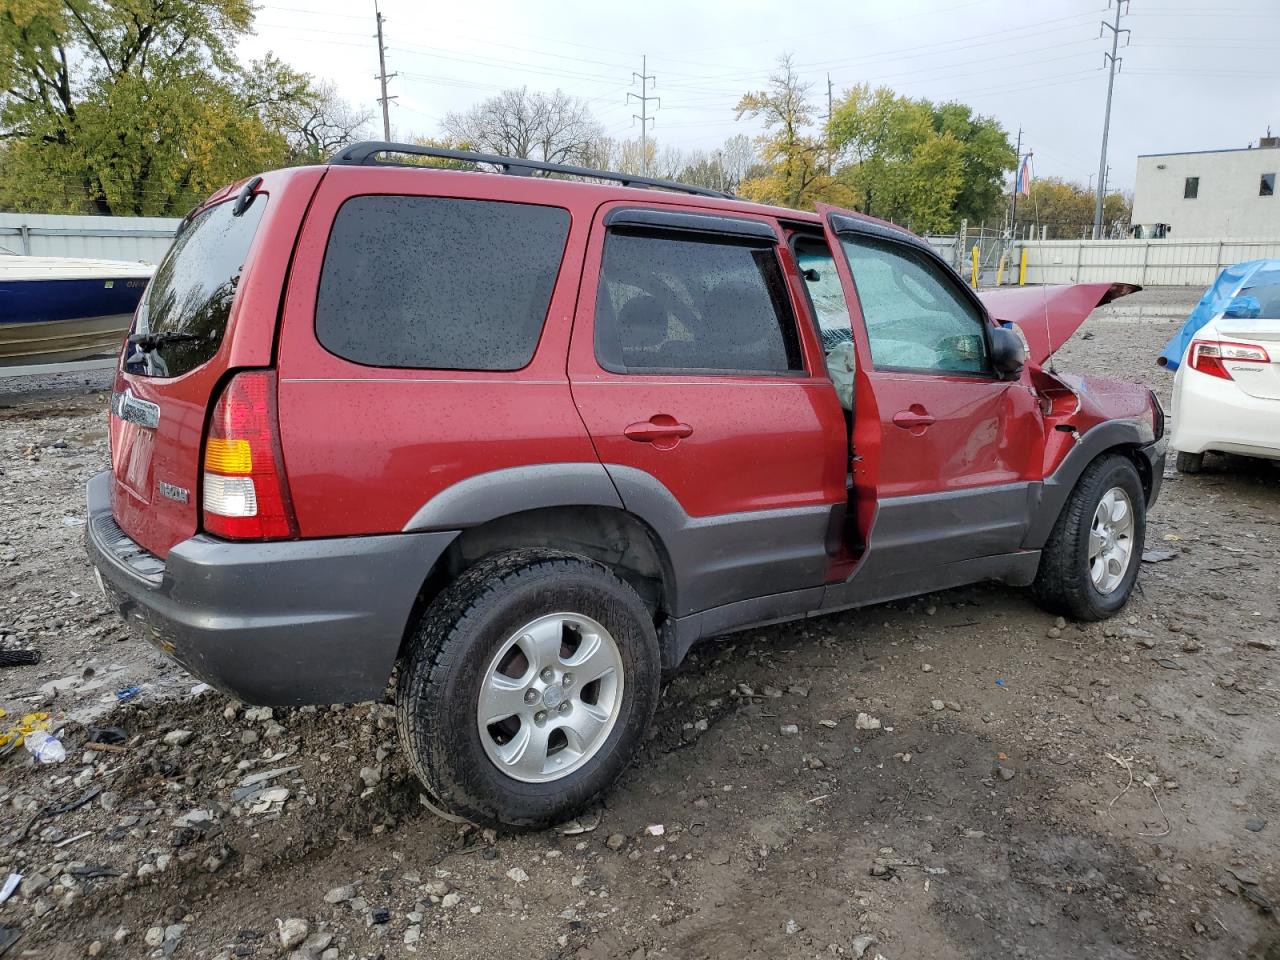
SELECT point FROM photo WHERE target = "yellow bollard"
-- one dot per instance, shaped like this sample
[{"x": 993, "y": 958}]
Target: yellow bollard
[
  {"x": 973, "y": 281},
  {"x": 1022, "y": 269},
  {"x": 1004, "y": 257}
]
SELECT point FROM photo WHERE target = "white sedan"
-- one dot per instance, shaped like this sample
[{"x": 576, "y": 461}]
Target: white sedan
[{"x": 1226, "y": 395}]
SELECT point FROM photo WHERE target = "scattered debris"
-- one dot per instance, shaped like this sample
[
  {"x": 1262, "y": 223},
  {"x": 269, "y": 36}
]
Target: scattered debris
[{"x": 19, "y": 658}]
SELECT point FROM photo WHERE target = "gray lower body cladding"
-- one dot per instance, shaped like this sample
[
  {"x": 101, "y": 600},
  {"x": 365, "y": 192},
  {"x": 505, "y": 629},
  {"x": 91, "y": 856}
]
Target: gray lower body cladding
[{"x": 283, "y": 623}]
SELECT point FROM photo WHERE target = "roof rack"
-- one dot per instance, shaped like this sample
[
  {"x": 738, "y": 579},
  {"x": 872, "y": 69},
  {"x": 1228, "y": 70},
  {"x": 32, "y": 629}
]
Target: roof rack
[{"x": 366, "y": 153}]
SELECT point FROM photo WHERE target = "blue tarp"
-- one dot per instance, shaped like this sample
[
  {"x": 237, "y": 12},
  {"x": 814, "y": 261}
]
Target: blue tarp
[{"x": 1230, "y": 282}]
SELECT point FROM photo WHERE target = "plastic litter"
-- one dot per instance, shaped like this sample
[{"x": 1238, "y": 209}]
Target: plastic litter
[
  {"x": 10, "y": 885},
  {"x": 45, "y": 747},
  {"x": 28, "y": 725},
  {"x": 127, "y": 694}
]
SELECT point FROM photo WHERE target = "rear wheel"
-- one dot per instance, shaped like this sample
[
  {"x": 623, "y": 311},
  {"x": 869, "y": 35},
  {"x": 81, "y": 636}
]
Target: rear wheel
[
  {"x": 529, "y": 683},
  {"x": 1090, "y": 562},
  {"x": 1189, "y": 462}
]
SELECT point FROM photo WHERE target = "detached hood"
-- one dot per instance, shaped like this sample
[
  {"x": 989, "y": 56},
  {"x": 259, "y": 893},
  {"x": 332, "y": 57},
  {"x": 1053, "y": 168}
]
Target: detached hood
[{"x": 1048, "y": 316}]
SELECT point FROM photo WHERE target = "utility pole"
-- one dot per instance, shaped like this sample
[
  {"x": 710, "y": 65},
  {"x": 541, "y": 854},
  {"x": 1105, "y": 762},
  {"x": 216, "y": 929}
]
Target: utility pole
[
  {"x": 1017, "y": 175},
  {"x": 646, "y": 81},
  {"x": 1113, "y": 62},
  {"x": 383, "y": 77}
]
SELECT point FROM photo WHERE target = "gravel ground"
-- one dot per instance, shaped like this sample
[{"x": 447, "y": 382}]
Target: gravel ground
[{"x": 1035, "y": 789}]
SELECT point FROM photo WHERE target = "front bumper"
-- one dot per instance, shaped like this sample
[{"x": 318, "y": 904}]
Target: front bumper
[
  {"x": 1155, "y": 454},
  {"x": 275, "y": 624}
]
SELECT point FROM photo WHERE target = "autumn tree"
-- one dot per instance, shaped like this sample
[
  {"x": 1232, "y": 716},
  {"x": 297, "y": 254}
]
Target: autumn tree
[
  {"x": 553, "y": 127},
  {"x": 1061, "y": 210},
  {"x": 135, "y": 106},
  {"x": 793, "y": 159}
]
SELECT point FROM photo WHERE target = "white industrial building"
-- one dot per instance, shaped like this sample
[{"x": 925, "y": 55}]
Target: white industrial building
[{"x": 1209, "y": 193}]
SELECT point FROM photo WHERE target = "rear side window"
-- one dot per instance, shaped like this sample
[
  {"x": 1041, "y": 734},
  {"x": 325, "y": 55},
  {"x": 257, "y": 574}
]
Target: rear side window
[
  {"x": 439, "y": 283},
  {"x": 192, "y": 291},
  {"x": 669, "y": 302}
]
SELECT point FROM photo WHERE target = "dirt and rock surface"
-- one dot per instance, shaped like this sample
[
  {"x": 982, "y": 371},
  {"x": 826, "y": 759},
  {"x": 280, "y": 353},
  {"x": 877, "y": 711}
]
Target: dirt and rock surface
[{"x": 1034, "y": 788}]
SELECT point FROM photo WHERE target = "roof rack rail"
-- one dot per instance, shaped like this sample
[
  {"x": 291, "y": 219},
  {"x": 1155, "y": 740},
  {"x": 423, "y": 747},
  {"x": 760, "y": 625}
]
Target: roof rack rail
[{"x": 366, "y": 153}]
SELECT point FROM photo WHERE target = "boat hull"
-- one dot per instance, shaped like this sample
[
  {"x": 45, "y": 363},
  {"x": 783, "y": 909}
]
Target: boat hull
[
  {"x": 59, "y": 341},
  {"x": 55, "y": 320}
]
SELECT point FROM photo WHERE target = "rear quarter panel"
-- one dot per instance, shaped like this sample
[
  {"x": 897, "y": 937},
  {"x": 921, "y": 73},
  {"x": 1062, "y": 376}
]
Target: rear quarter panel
[{"x": 365, "y": 447}]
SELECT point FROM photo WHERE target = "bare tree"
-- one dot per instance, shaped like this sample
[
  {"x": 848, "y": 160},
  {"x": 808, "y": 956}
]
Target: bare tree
[
  {"x": 322, "y": 124},
  {"x": 553, "y": 127}
]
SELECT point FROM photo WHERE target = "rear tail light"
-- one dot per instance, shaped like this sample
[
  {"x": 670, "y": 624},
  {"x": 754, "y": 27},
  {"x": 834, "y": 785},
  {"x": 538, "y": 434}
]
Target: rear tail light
[
  {"x": 1211, "y": 356},
  {"x": 245, "y": 494}
]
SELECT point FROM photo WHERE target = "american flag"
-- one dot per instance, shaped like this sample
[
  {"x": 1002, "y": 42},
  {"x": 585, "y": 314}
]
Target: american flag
[{"x": 1024, "y": 177}]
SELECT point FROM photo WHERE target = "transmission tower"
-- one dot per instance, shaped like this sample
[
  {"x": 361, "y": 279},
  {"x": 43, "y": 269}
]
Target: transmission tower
[{"x": 646, "y": 83}]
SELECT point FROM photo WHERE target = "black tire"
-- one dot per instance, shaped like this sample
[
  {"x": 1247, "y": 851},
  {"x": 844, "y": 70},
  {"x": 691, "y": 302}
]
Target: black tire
[
  {"x": 1063, "y": 584},
  {"x": 455, "y": 641},
  {"x": 1189, "y": 462}
]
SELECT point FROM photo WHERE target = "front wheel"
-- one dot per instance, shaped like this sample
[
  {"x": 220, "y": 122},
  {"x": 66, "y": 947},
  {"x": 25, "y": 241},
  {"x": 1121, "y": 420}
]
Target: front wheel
[
  {"x": 1090, "y": 563},
  {"x": 528, "y": 685}
]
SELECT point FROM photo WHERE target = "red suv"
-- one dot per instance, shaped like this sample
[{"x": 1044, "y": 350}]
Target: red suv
[{"x": 520, "y": 440}]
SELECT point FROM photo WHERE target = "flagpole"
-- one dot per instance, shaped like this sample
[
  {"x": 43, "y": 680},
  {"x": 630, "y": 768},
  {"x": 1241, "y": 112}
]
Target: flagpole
[{"x": 1017, "y": 173}]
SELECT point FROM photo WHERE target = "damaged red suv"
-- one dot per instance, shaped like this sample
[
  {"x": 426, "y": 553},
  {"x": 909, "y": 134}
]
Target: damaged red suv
[{"x": 518, "y": 442}]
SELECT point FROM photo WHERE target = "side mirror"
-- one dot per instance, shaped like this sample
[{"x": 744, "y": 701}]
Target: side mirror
[
  {"x": 1242, "y": 308},
  {"x": 1008, "y": 351}
]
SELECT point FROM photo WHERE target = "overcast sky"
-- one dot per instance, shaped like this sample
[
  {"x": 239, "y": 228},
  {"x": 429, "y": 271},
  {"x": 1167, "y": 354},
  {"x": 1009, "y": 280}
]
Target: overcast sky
[{"x": 1194, "y": 77}]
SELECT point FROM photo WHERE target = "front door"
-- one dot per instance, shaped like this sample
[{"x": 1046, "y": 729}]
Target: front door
[
  {"x": 707, "y": 402},
  {"x": 958, "y": 446}
]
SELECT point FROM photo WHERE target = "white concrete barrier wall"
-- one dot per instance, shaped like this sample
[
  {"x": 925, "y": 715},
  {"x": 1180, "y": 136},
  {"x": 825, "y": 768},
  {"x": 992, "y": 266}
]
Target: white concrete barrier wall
[
  {"x": 107, "y": 238},
  {"x": 1151, "y": 263}
]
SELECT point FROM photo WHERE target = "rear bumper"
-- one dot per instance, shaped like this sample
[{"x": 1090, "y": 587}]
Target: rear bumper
[
  {"x": 1210, "y": 413},
  {"x": 286, "y": 623}
]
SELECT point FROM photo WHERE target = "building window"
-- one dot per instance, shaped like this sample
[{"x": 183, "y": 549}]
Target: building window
[
  {"x": 1191, "y": 189},
  {"x": 1267, "y": 187}
]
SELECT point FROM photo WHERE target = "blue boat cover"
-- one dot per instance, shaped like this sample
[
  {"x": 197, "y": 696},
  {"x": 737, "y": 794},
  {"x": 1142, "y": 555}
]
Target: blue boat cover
[{"x": 1226, "y": 288}]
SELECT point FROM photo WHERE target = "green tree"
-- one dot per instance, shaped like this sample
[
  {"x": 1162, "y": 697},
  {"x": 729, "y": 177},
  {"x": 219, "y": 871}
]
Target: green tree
[
  {"x": 136, "y": 106},
  {"x": 986, "y": 156},
  {"x": 897, "y": 164}
]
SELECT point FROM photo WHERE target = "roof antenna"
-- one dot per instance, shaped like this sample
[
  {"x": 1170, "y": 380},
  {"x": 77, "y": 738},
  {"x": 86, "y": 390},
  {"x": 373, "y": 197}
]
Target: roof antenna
[{"x": 1044, "y": 293}]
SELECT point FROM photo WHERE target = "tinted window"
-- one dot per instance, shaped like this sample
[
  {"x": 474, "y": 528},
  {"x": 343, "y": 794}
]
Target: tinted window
[
  {"x": 669, "y": 302},
  {"x": 193, "y": 288},
  {"x": 1191, "y": 188},
  {"x": 439, "y": 283},
  {"x": 1267, "y": 186},
  {"x": 915, "y": 317}
]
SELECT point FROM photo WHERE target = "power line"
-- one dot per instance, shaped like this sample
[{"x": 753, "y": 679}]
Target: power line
[
  {"x": 383, "y": 77},
  {"x": 1113, "y": 62},
  {"x": 645, "y": 79}
]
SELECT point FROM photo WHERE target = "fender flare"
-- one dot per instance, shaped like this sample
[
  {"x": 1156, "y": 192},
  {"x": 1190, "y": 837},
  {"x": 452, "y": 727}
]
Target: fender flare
[
  {"x": 500, "y": 493},
  {"x": 1057, "y": 487}
]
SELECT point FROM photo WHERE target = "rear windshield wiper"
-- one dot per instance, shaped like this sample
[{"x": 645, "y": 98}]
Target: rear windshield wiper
[{"x": 152, "y": 341}]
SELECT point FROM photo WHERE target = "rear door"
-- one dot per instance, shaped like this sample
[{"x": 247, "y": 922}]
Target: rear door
[
  {"x": 706, "y": 400},
  {"x": 957, "y": 446},
  {"x": 218, "y": 288}
]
